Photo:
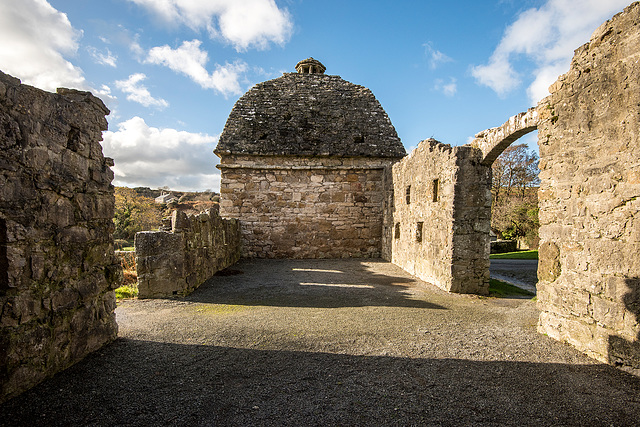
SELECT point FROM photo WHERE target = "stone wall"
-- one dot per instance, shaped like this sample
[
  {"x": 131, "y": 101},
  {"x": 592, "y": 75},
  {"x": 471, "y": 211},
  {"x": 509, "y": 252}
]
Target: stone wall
[
  {"x": 57, "y": 264},
  {"x": 175, "y": 262},
  {"x": 589, "y": 137},
  {"x": 305, "y": 207},
  {"x": 437, "y": 216}
]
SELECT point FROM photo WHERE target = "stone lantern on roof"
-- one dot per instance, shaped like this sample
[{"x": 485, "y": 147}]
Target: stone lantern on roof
[{"x": 310, "y": 66}]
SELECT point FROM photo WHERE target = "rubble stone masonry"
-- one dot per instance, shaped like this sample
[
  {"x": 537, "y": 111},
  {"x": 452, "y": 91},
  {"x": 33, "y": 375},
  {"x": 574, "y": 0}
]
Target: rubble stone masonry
[
  {"x": 177, "y": 261},
  {"x": 57, "y": 263},
  {"x": 305, "y": 207},
  {"x": 589, "y": 137},
  {"x": 437, "y": 216}
]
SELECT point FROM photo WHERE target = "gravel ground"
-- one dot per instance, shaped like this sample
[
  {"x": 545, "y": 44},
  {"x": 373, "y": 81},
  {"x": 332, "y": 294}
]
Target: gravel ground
[{"x": 330, "y": 342}]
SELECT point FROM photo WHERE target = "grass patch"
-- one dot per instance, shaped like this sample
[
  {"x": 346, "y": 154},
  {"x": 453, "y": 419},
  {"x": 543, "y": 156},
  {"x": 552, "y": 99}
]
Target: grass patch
[
  {"x": 501, "y": 289},
  {"x": 533, "y": 254},
  {"x": 126, "y": 291},
  {"x": 218, "y": 309},
  {"x": 128, "y": 248}
]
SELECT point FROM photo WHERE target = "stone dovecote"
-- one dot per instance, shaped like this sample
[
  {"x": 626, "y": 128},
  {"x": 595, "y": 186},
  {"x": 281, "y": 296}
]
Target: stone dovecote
[{"x": 302, "y": 161}]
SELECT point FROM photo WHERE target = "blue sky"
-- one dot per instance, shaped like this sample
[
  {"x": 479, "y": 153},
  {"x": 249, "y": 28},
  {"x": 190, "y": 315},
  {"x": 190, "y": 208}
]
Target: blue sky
[{"x": 171, "y": 70}]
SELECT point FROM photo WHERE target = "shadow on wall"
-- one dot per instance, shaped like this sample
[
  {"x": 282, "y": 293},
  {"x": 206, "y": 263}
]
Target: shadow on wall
[
  {"x": 4, "y": 260},
  {"x": 135, "y": 382},
  {"x": 623, "y": 352},
  {"x": 311, "y": 283}
]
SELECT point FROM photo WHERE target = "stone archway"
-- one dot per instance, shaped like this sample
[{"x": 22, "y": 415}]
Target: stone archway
[{"x": 494, "y": 141}]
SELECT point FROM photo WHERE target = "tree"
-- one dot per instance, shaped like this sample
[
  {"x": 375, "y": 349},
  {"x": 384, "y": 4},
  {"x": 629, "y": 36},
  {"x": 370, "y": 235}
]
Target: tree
[
  {"x": 515, "y": 170},
  {"x": 134, "y": 213},
  {"x": 514, "y": 208}
]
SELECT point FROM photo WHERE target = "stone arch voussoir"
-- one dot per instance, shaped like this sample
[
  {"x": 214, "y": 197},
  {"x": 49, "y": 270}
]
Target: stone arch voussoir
[{"x": 492, "y": 142}]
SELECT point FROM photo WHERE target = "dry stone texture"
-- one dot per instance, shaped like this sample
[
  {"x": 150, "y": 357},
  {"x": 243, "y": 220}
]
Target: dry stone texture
[
  {"x": 175, "y": 262},
  {"x": 57, "y": 264},
  {"x": 437, "y": 215},
  {"x": 302, "y": 161},
  {"x": 589, "y": 137},
  {"x": 293, "y": 207},
  {"x": 309, "y": 115}
]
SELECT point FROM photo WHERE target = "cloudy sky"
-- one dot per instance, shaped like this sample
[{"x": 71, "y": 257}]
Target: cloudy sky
[{"x": 171, "y": 70}]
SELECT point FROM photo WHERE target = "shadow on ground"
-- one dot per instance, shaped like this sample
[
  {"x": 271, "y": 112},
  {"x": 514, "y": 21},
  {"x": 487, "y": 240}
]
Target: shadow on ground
[
  {"x": 145, "y": 383},
  {"x": 310, "y": 283}
]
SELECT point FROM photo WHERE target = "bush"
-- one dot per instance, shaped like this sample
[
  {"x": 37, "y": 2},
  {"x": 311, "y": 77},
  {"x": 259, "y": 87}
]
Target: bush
[{"x": 134, "y": 213}]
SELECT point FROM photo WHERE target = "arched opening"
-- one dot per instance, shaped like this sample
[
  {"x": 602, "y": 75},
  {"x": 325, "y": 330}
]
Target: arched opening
[
  {"x": 514, "y": 214},
  {"x": 514, "y": 205}
]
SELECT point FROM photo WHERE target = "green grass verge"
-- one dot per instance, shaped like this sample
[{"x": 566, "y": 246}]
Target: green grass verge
[
  {"x": 501, "y": 289},
  {"x": 516, "y": 255},
  {"x": 126, "y": 291}
]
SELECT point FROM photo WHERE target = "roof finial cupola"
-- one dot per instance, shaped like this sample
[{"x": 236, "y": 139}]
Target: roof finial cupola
[{"x": 310, "y": 66}]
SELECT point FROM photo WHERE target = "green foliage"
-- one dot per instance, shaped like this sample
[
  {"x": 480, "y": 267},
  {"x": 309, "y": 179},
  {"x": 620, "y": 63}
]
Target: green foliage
[
  {"x": 514, "y": 210},
  {"x": 134, "y": 213},
  {"x": 516, "y": 255},
  {"x": 127, "y": 291},
  {"x": 501, "y": 289}
]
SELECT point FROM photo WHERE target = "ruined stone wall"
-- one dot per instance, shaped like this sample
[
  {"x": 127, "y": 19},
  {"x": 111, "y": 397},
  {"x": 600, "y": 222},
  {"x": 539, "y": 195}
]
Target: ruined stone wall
[
  {"x": 57, "y": 264},
  {"x": 305, "y": 207},
  {"x": 437, "y": 216},
  {"x": 589, "y": 137},
  {"x": 176, "y": 262}
]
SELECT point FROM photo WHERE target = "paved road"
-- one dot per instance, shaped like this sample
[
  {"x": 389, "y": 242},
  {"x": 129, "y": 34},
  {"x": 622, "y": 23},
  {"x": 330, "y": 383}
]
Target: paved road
[
  {"x": 329, "y": 342},
  {"x": 520, "y": 272}
]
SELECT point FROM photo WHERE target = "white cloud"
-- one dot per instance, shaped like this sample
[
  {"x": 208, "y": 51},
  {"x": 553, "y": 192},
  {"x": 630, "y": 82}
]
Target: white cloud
[
  {"x": 153, "y": 157},
  {"x": 104, "y": 93},
  {"x": 190, "y": 60},
  {"x": 137, "y": 92},
  {"x": 435, "y": 56},
  {"x": 448, "y": 89},
  {"x": 35, "y": 39},
  {"x": 244, "y": 24},
  {"x": 547, "y": 36},
  {"x": 103, "y": 58}
]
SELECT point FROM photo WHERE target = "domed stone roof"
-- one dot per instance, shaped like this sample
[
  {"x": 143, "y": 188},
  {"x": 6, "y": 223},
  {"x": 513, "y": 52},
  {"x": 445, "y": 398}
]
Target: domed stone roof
[{"x": 309, "y": 114}]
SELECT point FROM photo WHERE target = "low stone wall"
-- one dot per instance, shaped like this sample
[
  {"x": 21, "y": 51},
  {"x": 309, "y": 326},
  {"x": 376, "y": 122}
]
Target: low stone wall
[
  {"x": 174, "y": 263},
  {"x": 57, "y": 264},
  {"x": 589, "y": 269},
  {"x": 305, "y": 207},
  {"x": 437, "y": 216}
]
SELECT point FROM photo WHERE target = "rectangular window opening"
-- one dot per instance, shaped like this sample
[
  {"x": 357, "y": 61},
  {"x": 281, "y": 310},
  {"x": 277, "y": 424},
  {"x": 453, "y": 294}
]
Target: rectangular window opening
[
  {"x": 419, "y": 227},
  {"x": 408, "y": 192},
  {"x": 436, "y": 189},
  {"x": 396, "y": 233}
]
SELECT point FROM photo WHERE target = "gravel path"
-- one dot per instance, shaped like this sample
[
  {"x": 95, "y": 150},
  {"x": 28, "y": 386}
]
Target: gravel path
[
  {"x": 519, "y": 272},
  {"x": 330, "y": 342}
]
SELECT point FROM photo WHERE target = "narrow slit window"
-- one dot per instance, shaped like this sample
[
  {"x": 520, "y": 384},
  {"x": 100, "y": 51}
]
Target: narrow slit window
[
  {"x": 396, "y": 232},
  {"x": 408, "y": 194},
  {"x": 435, "y": 189},
  {"x": 419, "y": 226}
]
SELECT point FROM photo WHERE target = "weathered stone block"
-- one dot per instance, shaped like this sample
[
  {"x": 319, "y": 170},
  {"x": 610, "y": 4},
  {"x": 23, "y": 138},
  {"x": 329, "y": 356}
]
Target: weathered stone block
[
  {"x": 589, "y": 267},
  {"x": 55, "y": 264},
  {"x": 175, "y": 263}
]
